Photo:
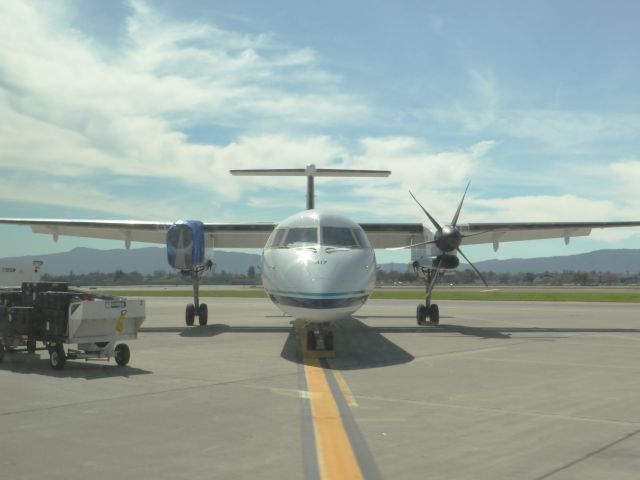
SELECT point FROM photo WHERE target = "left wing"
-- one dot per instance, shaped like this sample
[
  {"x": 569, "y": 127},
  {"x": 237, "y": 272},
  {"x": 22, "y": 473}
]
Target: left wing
[
  {"x": 395, "y": 235},
  {"x": 226, "y": 235},
  {"x": 496, "y": 233}
]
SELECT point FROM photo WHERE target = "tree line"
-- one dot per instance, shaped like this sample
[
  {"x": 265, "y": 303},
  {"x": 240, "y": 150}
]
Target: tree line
[
  {"x": 252, "y": 277},
  {"x": 469, "y": 277}
]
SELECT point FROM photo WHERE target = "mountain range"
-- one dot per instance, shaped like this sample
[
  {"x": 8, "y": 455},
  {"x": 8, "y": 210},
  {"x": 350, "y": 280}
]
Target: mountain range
[{"x": 147, "y": 260}]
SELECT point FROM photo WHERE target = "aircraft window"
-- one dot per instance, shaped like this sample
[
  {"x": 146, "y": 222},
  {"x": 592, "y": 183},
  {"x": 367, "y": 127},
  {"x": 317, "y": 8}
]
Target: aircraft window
[
  {"x": 276, "y": 239},
  {"x": 301, "y": 236},
  {"x": 338, "y": 237},
  {"x": 361, "y": 237}
]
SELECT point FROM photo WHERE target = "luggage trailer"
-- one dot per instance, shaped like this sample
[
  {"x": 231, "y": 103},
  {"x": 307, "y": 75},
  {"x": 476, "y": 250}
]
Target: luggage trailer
[{"x": 55, "y": 315}]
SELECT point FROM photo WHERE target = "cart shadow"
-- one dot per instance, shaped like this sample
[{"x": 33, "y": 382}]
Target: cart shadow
[{"x": 35, "y": 364}]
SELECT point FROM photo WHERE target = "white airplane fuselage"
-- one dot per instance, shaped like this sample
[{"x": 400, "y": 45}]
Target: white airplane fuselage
[{"x": 318, "y": 267}]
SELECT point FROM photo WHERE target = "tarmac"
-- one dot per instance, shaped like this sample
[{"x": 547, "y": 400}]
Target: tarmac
[{"x": 505, "y": 390}]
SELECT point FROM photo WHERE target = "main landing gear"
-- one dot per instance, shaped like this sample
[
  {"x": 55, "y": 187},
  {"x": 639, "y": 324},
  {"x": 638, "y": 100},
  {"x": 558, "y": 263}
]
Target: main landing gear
[
  {"x": 430, "y": 310},
  {"x": 197, "y": 309},
  {"x": 319, "y": 336}
]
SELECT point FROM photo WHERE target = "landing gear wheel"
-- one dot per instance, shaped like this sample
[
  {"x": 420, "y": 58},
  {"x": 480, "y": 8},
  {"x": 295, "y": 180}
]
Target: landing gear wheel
[
  {"x": 203, "y": 314},
  {"x": 57, "y": 357},
  {"x": 421, "y": 314},
  {"x": 434, "y": 314},
  {"x": 122, "y": 354},
  {"x": 311, "y": 340},
  {"x": 328, "y": 341},
  {"x": 190, "y": 314},
  {"x": 31, "y": 346}
]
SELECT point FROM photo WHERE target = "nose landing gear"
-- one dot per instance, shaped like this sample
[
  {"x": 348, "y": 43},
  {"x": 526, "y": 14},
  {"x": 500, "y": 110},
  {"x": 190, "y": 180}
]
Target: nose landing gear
[{"x": 320, "y": 337}]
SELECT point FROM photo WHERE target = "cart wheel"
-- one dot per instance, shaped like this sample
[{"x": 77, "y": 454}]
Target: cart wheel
[
  {"x": 57, "y": 357},
  {"x": 122, "y": 354},
  {"x": 31, "y": 346}
]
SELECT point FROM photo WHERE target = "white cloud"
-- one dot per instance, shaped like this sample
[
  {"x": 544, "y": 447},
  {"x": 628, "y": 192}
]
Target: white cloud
[
  {"x": 68, "y": 110},
  {"x": 64, "y": 103}
]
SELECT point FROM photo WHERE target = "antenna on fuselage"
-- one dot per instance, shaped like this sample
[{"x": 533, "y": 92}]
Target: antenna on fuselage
[{"x": 311, "y": 172}]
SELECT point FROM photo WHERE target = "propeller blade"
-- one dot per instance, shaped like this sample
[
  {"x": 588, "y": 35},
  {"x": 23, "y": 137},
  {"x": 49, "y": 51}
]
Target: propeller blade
[
  {"x": 433, "y": 220},
  {"x": 474, "y": 267},
  {"x": 391, "y": 249},
  {"x": 455, "y": 217}
]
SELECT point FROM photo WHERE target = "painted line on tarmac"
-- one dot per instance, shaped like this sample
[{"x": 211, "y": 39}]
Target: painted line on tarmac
[
  {"x": 333, "y": 446},
  {"x": 336, "y": 458},
  {"x": 344, "y": 388}
]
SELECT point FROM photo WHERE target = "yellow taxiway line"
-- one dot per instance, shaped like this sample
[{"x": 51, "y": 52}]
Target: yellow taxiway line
[{"x": 336, "y": 459}]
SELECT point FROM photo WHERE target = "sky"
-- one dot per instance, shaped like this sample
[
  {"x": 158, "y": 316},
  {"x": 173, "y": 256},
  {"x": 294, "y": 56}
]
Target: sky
[{"x": 138, "y": 109}]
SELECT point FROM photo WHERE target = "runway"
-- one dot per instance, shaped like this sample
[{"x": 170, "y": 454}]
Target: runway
[{"x": 497, "y": 391}]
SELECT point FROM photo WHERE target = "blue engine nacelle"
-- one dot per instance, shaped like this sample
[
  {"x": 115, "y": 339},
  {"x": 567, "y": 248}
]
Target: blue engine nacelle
[{"x": 185, "y": 244}]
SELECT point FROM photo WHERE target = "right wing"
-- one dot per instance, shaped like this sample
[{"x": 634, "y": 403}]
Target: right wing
[
  {"x": 226, "y": 235},
  {"x": 398, "y": 235}
]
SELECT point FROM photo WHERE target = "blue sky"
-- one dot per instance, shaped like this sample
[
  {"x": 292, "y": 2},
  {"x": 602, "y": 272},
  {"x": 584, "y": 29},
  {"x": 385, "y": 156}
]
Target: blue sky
[{"x": 138, "y": 109}]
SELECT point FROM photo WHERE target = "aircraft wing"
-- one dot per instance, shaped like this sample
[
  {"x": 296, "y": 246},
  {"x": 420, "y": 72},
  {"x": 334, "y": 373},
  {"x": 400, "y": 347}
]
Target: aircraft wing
[
  {"x": 496, "y": 233},
  {"x": 254, "y": 235},
  {"x": 226, "y": 235},
  {"x": 394, "y": 235},
  {"x": 389, "y": 235}
]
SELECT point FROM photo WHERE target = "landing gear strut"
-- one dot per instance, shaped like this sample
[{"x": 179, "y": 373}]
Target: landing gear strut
[
  {"x": 430, "y": 310},
  {"x": 197, "y": 309},
  {"x": 320, "y": 337}
]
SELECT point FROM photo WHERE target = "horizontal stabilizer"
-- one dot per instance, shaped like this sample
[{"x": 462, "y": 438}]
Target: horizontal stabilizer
[
  {"x": 315, "y": 172},
  {"x": 311, "y": 172}
]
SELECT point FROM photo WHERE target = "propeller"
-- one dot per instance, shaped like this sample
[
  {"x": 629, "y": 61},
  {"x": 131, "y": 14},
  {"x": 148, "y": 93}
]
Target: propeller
[{"x": 449, "y": 238}]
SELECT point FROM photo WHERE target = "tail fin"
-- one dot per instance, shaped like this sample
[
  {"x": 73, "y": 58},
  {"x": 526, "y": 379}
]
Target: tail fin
[{"x": 310, "y": 172}]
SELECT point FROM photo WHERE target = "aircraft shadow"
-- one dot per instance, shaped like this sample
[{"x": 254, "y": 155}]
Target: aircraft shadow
[
  {"x": 357, "y": 346},
  {"x": 459, "y": 329},
  {"x": 507, "y": 332},
  {"x": 214, "y": 330},
  {"x": 35, "y": 364}
]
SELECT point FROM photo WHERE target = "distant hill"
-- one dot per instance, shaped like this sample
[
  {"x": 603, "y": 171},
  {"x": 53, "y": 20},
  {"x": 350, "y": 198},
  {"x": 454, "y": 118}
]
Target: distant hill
[
  {"x": 147, "y": 260},
  {"x": 143, "y": 260},
  {"x": 615, "y": 261}
]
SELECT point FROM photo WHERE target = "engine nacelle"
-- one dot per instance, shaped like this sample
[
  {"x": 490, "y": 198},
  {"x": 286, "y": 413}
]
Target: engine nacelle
[
  {"x": 445, "y": 261},
  {"x": 185, "y": 244}
]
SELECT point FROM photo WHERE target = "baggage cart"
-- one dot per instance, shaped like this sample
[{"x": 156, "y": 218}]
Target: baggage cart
[{"x": 54, "y": 315}]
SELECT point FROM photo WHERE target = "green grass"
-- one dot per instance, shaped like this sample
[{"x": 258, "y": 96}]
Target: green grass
[
  {"x": 511, "y": 296},
  {"x": 248, "y": 293},
  {"x": 494, "y": 296}
]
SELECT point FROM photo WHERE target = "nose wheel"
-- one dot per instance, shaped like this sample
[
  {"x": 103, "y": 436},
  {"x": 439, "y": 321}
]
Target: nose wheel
[{"x": 320, "y": 337}]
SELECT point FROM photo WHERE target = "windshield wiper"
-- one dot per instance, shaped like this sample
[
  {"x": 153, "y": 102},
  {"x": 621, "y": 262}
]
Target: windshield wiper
[{"x": 336, "y": 249}]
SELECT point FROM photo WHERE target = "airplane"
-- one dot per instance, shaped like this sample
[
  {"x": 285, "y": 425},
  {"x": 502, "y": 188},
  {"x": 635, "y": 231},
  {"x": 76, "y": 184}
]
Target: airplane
[{"x": 317, "y": 266}]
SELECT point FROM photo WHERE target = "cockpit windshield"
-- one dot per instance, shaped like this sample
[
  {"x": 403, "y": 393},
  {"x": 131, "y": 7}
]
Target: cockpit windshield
[
  {"x": 300, "y": 236},
  {"x": 339, "y": 237}
]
